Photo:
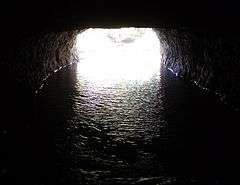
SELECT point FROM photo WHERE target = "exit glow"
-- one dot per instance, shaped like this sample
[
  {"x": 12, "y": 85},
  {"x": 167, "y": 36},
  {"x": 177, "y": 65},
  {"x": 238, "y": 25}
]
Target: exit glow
[{"x": 113, "y": 55}]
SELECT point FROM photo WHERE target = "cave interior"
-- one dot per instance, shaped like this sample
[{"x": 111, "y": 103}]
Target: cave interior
[{"x": 200, "y": 40}]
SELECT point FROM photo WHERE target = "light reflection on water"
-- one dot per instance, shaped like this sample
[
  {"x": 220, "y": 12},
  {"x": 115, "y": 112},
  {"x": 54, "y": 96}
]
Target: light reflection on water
[
  {"x": 123, "y": 109},
  {"x": 117, "y": 103},
  {"x": 114, "y": 123},
  {"x": 119, "y": 79}
]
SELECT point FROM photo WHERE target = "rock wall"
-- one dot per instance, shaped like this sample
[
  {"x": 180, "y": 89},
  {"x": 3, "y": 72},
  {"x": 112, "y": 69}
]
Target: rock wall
[
  {"x": 209, "y": 59},
  {"x": 32, "y": 58}
]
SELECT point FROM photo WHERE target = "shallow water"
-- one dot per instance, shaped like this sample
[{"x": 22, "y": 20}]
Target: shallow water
[{"x": 158, "y": 131}]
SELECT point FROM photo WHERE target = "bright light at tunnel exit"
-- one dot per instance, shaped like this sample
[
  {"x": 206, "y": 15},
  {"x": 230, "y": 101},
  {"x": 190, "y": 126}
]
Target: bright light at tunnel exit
[{"x": 110, "y": 55}]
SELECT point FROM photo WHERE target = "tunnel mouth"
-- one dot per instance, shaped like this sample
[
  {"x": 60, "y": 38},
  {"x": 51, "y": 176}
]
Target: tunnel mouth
[{"x": 118, "y": 54}]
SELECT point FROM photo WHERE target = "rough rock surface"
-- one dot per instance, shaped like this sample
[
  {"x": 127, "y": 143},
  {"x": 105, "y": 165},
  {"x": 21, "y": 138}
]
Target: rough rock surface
[
  {"x": 209, "y": 59},
  {"x": 33, "y": 58}
]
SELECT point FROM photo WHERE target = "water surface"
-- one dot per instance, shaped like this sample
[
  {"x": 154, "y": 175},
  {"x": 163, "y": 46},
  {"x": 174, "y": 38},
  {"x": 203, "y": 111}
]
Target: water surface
[{"x": 157, "y": 131}]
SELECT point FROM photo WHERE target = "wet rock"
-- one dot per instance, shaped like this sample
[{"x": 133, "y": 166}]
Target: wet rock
[
  {"x": 35, "y": 57},
  {"x": 207, "y": 58}
]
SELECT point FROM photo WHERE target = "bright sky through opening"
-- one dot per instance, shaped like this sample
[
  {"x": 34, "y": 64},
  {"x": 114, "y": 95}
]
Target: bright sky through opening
[{"x": 113, "y": 55}]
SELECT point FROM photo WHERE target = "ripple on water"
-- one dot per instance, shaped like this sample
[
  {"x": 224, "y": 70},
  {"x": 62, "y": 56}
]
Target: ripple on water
[{"x": 111, "y": 134}]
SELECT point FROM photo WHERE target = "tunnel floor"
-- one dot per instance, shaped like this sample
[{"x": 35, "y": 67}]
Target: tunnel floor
[{"x": 161, "y": 131}]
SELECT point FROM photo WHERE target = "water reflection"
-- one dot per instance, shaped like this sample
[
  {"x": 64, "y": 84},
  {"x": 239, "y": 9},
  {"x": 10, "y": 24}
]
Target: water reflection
[
  {"x": 114, "y": 127},
  {"x": 118, "y": 82},
  {"x": 117, "y": 105},
  {"x": 123, "y": 110}
]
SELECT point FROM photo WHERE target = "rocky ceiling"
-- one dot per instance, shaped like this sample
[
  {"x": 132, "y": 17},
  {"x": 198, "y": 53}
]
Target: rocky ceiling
[{"x": 106, "y": 13}]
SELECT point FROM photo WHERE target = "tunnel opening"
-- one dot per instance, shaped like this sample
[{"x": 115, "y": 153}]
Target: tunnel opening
[{"x": 120, "y": 54}]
